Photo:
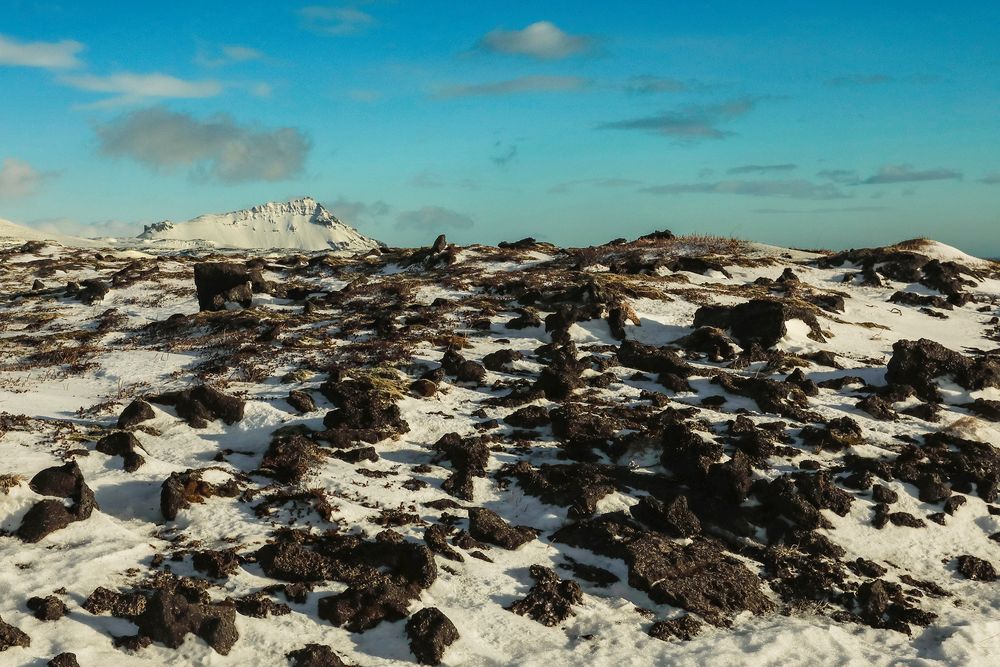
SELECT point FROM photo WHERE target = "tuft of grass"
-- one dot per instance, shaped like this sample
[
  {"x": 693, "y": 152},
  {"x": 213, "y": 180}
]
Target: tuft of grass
[
  {"x": 9, "y": 481},
  {"x": 384, "y": 379}
]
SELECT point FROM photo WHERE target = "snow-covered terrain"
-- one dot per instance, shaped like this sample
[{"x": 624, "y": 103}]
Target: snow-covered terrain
[
  {"x": 302, "y": 224},
  {"x": 11, "y": 233},
  {"x": 670, "y": 451}
]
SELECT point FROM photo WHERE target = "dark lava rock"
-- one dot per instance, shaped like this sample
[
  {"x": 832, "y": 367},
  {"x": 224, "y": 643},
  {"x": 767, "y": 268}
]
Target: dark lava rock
[
  {"x": 502, "y": 361},
  {"x": 364, "y": 411},
  {"x": 932, "y": 488},
  {"x": 91, "y": 291},
  {"x": 883, "y": 494},
  {"x": 462, "y": 369},
  {"x": 11, "y": 636},
  {"x": 121, "y": 605},
  {"x": 430, "y": 633},
  {"x": 58, "y": 481},
  {"x": 49, "y": 608},
  {"x": 423, "y": 387},
  {"x": 469, "y": 457},
  {"x": 550, "y": 600},
  {"x": 531, "y": 416},
  {"x": 684, "y": 627},
  {"x": 135, "y": 413},
  {"x": 315, "y": 655},
  {"x": 976, "y": 569},
  {"x": 219, "y": 283},
  {"x": 488, "y": 526},
  {"x": 711, "y": 341},
  {"x": 784, "y": 398},
  {"x": 673, "y": 518},
  {"x": 125, "y": 445},
  {"x": 918, "y": 363},
  {"x": 357, "y": 455},
  {"x": 260, "y": 605},
  {"x": 301, "y": 401},
  {"x": 293, "y": 562},
  {"x": 562, "y": 374},
  {"x": 700, "y": 577},
  {"x": 905, "y": 519},
  {"x": 202, "y": 404},
  {"x": 169, "y": 616},
  {"x": 183, "y": 488},
  {"x": 437, "y": 541},
  {"x": 48, "y": 516},
  {"x": 759, "y": 321},
  {"x": 878, "y": 408},
  {"x": 63, "y": 660},
  {"x": 952, "y": 504},
  {"x": 216, "y": 564},
  {"x": 662, "y": 360},
  {"x": 288, "y": 459},
  {"x": 362, "y": 607}
]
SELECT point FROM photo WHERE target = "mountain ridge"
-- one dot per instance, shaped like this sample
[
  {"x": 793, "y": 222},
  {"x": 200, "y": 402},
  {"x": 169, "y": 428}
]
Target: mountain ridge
[{"x": 302, "y": 224}]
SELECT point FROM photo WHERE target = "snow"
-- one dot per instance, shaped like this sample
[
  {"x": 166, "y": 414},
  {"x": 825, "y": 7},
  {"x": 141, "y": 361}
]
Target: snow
[
  {"x": 302, "y": 224},
  {"x": 119, "y": 540},
  {"x": 14, "y": 233}
]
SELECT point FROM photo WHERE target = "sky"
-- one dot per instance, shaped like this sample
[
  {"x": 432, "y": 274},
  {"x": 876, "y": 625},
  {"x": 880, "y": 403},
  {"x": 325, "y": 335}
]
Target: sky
[{"x": 837, "y": 125}]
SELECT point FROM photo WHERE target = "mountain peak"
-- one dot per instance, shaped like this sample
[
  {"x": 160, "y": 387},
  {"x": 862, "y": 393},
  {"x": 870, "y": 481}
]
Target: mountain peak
[{"x": 301, "y": 223}]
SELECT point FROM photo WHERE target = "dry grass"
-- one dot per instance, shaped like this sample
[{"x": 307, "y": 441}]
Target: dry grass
[{"x": 9, "y": 481}]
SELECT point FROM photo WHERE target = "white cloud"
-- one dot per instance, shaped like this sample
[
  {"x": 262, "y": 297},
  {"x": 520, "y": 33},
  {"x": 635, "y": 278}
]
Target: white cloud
[
  {"x": 524, "y": 84},
  {"x": 227, "y": 54},
  {"x": 434, "y": 218},
  {"x": 18, "y": 179},
  {"x": 47, "y": 55},
  {"x": 218, "y": 147},
  {"x": 543, "y": 40},
  {"x": 335, "y": 20},
  {"x": 129, "y": 88}
]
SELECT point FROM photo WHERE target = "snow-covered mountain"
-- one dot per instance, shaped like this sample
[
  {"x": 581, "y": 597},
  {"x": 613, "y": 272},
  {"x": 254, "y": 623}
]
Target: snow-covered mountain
[
  {"x": 302, "y": 224},
  {"x": 12, "y": 233}
]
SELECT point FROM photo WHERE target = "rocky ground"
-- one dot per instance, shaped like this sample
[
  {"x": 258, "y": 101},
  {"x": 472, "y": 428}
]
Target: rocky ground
[{"x": 666, "y": 451}]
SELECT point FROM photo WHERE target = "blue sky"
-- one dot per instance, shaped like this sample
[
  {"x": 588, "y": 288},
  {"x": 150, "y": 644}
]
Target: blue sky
[{"x": 843, "y": 125}]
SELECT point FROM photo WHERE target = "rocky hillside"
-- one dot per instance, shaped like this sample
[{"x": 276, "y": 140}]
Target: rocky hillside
[{"x": 666, "y": 451}]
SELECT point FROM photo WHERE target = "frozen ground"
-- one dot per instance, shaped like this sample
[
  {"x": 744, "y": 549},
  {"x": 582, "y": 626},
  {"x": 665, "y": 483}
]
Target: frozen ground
[{"x": 790, "y": 577}]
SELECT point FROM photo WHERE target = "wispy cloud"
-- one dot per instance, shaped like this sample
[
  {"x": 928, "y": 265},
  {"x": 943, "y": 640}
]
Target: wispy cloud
[
  {"x": 433, "y": 218},
  {"x": 845, "y": 176},
  {"x": 649, "y": 85},
  {"x": 520, "y": 85},
  {"x": 218, "y": 147},
  {"x": 761, "y": 168},
  {"x": 18, "y": 179},
  {"x": 427, "y": 179},
  {"x": 790, "y": 189},
  {"x": 822, "y": 210},
  {"x": 569, "y": 186},
  {"x": 904, "y": 173},
  {"x": 227, "y": 54},
  {"x": 690, "y": 123},
  {"x": 46, "y": 55},
  {"x": 355, "y": 212},
  {"x": 335, "y": 20},
  {"x": 127, "y": 88},
  {"x": 543, "y": 40},
  {"x": 503, "y": 154},
  {"x": 860, "y": 80}
]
